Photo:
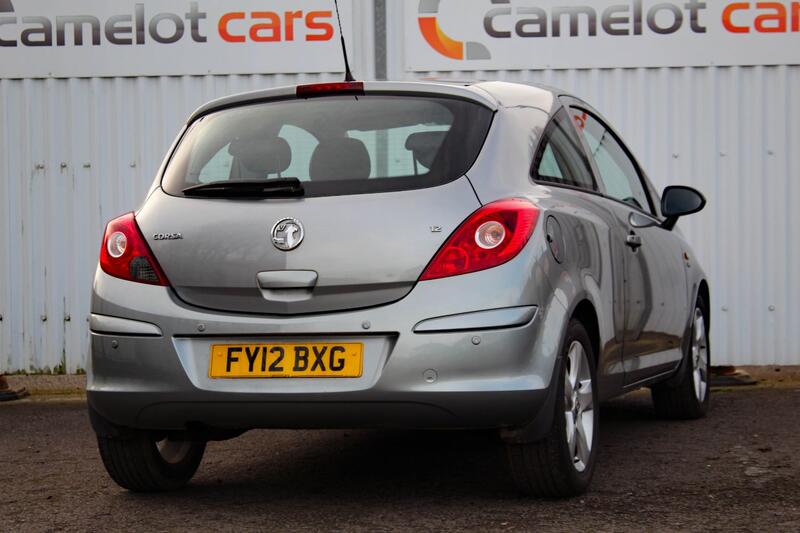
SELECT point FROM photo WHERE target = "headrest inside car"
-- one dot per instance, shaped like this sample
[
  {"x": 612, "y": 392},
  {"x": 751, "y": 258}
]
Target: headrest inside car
[
  {"x": 425, "y": 145},
  {"x": 262, "y": 156},
  {"x": 340, "y": 159}
]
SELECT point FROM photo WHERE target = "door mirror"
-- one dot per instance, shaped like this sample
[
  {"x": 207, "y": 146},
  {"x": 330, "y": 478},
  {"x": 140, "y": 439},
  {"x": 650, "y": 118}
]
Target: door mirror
[{"x": 679, "y": 201}]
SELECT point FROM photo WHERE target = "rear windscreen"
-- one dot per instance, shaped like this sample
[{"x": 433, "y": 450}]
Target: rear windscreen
[{"x": 334, "y": 145}]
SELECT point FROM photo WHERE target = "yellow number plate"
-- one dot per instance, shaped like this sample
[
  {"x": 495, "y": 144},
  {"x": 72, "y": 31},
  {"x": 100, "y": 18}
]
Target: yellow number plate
[{"x": 285, "y": 360}]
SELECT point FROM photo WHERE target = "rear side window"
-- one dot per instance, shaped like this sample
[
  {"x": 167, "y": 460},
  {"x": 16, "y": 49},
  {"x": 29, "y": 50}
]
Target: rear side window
[
  {"x": 617, "y": 170},
  {"x": 561, "y": 159},
  {"x": 334, "y": 145}
]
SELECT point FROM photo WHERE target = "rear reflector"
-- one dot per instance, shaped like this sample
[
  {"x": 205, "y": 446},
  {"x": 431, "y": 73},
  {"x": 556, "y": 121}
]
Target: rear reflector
[
  {"x": 491, "y": 236},
  {"x": 327, "y": 89},
  {"x": 125, "y": 254}
]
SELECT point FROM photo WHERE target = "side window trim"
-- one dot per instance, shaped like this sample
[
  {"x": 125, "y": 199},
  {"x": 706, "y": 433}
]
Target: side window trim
[
  {"x": 639, "y": 174},
  {"x": 652, "y": 211},
  {"x": 544, "y": 142}
]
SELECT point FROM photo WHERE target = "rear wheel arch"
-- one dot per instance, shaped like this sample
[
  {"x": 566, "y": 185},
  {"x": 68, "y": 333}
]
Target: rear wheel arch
[
  {"x": 704, "y": 294},
  {"x": 586, "y": 314},
  {"x": 554, "y": 464}
]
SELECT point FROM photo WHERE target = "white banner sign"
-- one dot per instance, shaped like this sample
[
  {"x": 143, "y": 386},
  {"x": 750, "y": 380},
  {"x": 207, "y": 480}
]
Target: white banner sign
[
  {"x": 80, "y": 38},
  {"x": 539, "y": 34}
]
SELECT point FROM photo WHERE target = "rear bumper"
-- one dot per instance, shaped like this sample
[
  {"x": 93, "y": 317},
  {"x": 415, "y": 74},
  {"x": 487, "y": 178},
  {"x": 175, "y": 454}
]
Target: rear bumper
[
  {"x": 440, "y": 380},
  {"x": 494, "y": 372},
  {"x": 226, "y": 411}
]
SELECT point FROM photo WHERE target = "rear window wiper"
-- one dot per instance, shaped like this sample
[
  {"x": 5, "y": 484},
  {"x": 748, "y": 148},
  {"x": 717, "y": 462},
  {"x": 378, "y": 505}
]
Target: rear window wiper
[{"x": 274, "y": 188}]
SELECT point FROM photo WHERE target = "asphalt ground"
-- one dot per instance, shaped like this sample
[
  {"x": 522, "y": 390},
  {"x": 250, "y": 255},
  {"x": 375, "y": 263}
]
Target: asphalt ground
[{"x": 737, "y": 470}]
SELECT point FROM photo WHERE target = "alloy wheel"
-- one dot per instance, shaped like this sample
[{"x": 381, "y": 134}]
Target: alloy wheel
[
  {"x": 578, "y": 406},
  {"x": 173, "y": 451},
  {"x": 699, "y": 356}
]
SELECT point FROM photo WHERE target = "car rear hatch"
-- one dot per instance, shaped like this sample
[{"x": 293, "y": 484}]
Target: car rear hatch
[{"x": 309, "y": 205}]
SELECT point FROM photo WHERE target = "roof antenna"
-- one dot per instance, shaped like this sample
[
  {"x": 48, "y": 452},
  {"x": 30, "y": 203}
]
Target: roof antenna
[{"x": 348, "y": 76}]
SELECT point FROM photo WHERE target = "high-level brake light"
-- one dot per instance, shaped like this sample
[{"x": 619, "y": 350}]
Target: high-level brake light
[{"x": 333, "y": 88}]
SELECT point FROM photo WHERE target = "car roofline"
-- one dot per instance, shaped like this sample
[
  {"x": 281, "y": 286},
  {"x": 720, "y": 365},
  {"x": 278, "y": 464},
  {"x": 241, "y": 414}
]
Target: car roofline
[{"x": 452, "y": 90}]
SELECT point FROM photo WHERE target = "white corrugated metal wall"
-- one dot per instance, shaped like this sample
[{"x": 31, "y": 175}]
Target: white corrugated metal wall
[
  {"x": 75, "y": 153},
  {"x": 731, "y": 132}
]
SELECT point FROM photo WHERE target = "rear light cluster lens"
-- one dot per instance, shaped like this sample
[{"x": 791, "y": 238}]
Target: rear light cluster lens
[
  {"x": 490, "y": 237},
  {"x": 125, "y": 253},
  {"x": 116, "y": 244}
]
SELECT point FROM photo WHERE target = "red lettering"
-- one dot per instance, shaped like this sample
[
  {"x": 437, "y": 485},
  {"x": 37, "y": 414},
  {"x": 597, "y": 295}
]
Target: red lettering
[
  {"x": 223, "y": 27},
  {"x": 727, "y": 14},
  {"x": 313, "y": 24},
  {"x": 267, "y": 26},
  {"x": 771, "y": 23},
  {"x": 289, "y": 17},
  {"x": 273, "y": 27}
]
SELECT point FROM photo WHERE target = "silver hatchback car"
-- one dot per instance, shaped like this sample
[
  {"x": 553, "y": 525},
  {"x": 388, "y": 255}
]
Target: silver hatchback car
[{"x": 394, "y": 255}]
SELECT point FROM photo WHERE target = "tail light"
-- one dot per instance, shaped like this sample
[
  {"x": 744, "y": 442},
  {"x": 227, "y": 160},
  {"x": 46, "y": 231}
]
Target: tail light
[
  {"x": 125, "y": 253},
  {"x": 490, "y": 237}
]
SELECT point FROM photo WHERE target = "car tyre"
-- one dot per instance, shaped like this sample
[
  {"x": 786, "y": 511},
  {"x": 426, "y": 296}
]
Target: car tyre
[
  {"x": 140, "y": 463},
  {"x": 561, "y": 464},
  {"x": 689, "y": 398}
]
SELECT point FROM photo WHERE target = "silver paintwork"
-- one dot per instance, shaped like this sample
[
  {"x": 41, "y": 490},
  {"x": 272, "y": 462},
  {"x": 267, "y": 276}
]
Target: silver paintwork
[
  {"x": 287, "y": 279},
  {"x": 122, "y": 326},
  {"x": 494, "y": 318},
  {"x": 470, "y": 92},
  {"x": 356, "y": 266},
  {"x": 235, "y": 290}
]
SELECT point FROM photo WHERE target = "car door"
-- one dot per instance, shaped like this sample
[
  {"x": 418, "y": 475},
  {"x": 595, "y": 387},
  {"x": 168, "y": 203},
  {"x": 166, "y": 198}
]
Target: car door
[
  {"x": 584, "y": 238},
  {"x": 655, "y": 296}
]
